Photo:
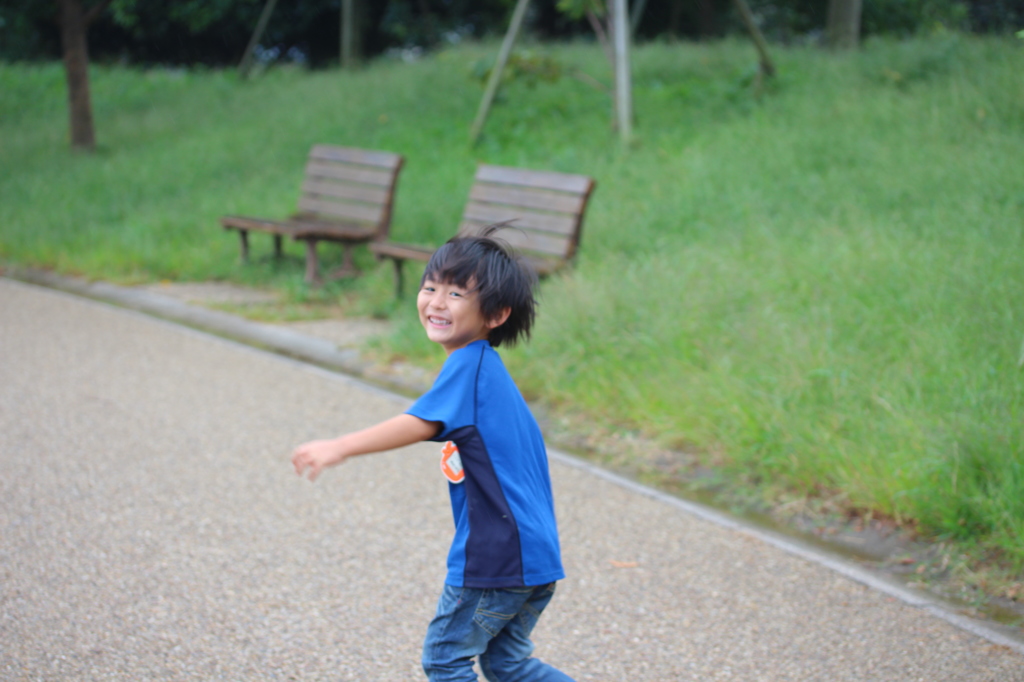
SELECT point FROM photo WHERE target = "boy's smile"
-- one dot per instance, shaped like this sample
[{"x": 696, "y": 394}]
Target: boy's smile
[{"x": 451, "y": 315}]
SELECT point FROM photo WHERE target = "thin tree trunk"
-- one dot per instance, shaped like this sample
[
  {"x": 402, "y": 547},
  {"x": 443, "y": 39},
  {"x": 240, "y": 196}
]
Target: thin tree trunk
[
  {"x": 623, "y": 81},
  {"x": 707, "y": 19},
  {"x": 427, "y": 18},
  {"x": 604, "y": 40},
  {"x": 602, "y": 37},
  {"x": 842, "y": 31},
  {"x": 767, "y": 67},
  {"x": 675, "y": 18},
  {"x": 246, "y": 64},
  {"x": 73, "y": 28},
  {"x": 349, "y": 33},
  {"x": 499, "y": 66},
  {"x": 636, "y": 15}
]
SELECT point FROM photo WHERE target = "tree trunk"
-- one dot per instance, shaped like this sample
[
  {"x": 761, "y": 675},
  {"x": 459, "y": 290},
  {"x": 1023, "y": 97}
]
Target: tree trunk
[
  {"x": 350, "y": 33},
  {"x": 623, "y": 81},
  {"x": 842, "y": 31},
  {"x": 246, "y": 64},
  {"x": 635, "y": 17},
  {"x": 675, "y": 18},
  {"x": 73, "y": 27},
  {"x": 494, "y": 81},
  {"x": 767, "y": 66},
  {"x": 707, "y": 19}
]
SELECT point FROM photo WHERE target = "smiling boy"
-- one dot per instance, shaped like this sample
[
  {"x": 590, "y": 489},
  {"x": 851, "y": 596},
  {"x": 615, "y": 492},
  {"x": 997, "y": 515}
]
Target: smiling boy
[{"x": 504, "y": 559}]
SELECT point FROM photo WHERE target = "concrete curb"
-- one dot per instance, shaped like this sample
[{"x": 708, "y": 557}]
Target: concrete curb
[
  {"x": 815, "y": 555},
  {"x": 265, "y": 336},
  {"x": 326, "y": 355}
]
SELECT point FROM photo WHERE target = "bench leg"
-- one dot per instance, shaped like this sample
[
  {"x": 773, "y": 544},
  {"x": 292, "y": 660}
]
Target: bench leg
[
  {"x": 278, "y": 252},
  {"x": 399, "y": 279},
  {"x": 312, "y": 268},
  {"x": 243, "y": 236},
  {"x": 348, "y": 267}
]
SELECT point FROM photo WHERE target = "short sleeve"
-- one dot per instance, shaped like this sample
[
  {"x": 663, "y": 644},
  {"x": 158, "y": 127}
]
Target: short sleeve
[{"x": 450, "y": 400}]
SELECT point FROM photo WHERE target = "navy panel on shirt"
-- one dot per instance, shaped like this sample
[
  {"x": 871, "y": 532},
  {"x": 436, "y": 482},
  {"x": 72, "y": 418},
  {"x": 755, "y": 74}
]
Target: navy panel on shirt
[{"x": 492, "y": 547}]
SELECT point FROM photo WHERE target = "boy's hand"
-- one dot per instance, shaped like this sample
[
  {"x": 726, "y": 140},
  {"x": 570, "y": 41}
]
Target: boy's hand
[
  {"x": 405, "y": 429},
  {"x": 316, "y": 456}
]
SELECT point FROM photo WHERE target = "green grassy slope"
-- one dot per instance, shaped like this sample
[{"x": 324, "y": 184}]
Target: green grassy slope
[{"x": 819, "y": 287}]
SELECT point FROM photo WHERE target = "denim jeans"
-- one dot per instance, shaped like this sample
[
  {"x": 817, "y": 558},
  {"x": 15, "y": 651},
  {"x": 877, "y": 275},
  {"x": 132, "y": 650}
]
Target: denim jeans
[{"x": 494, "y": 625}]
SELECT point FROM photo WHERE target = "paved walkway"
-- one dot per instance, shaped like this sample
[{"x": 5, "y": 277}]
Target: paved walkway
[{"x": 151, "y": 528}]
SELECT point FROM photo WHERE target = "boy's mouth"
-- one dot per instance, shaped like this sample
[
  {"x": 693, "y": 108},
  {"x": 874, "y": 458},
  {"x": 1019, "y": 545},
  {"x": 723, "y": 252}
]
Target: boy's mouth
[{"x": 439, "y": 322}]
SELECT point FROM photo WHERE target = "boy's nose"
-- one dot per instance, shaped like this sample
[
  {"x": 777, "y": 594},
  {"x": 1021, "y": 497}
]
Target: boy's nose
[{"x": 437, "y": 300}]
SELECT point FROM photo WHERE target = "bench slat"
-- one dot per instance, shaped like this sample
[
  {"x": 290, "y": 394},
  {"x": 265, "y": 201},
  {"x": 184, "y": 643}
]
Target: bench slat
[
  {"x": 402, "y": 251},
  {"x": 555, "y": 202},
  {"x": 350, "y": 155},
  {"x": 523, "y": 220},
  {"x": 525, "y": 241},
  {"x": 342, "y": 209},
  {"x": 542, "y": 266},
  {"x": 564, "y": 182},
  {"x": 546, "y": 266},
  {"x": 239, "y": 222},
  {"x": 307, "y": 229},
  {"x": 365, "y": 176},
  {"x": 362, "y": 193}
]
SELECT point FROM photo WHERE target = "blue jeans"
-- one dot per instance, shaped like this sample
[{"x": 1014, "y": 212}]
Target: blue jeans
[{"x": 494, "y": 625}]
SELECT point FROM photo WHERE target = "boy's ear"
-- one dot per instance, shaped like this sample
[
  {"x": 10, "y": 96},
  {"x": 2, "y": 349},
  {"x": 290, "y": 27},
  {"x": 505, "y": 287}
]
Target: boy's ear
[{"x": 500, "y": 318}]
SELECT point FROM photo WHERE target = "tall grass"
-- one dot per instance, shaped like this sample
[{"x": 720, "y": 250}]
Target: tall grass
[
  {"x": 819, "y": 286},
  {"x": 827, "y": 289}
]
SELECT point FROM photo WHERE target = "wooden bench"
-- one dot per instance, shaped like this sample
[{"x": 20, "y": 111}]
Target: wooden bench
[
  {"x": 544, "y": 208},
  {"x": 347, "y": 197}
]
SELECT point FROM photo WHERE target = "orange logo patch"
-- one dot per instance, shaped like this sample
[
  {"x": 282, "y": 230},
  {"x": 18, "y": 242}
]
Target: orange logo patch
[{"x": 451, "y": 463}]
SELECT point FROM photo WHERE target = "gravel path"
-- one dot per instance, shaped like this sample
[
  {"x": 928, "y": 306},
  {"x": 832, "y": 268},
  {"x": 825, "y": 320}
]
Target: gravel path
[{"x": 151, "y": 528}]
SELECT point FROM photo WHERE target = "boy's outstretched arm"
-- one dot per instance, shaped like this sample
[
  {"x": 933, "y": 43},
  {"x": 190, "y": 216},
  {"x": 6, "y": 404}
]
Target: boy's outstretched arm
[{"x": 396, "y": 432}]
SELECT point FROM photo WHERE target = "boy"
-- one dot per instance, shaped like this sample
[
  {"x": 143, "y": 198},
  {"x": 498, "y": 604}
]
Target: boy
[{"x": 505, "y": 558}]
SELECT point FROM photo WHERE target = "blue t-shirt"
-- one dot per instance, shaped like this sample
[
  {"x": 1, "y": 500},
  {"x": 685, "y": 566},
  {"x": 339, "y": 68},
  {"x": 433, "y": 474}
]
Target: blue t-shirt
[{"x": 505, "y": 531}]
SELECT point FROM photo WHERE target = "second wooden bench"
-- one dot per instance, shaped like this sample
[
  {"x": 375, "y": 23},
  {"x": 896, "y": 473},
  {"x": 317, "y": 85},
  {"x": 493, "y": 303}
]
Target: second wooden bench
[{"x": 544, "y": 208}]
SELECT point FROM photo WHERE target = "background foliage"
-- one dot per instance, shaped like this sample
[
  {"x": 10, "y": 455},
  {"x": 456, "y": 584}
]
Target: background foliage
[{"x": 215, "y": 32}]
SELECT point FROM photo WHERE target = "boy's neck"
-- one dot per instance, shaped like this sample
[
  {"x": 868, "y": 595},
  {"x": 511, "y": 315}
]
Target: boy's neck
[{"x": 448, "y": 351}]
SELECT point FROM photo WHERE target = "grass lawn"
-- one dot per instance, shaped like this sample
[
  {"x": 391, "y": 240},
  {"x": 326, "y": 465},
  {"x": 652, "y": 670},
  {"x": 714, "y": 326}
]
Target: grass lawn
[{"x": 815, "y": 288}]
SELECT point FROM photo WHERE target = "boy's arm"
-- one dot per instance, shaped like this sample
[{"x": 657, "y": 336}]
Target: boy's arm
[{"x": 396, "y": 432}]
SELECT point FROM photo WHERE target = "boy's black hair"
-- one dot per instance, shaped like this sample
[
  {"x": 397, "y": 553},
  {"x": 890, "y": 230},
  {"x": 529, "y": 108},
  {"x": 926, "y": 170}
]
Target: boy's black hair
[{"x": 501, "y": 280}]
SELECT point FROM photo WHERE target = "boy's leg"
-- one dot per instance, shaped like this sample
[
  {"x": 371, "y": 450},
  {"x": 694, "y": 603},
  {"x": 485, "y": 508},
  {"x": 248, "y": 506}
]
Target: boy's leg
[
  {"x": 509, "y": 617},
  {"x": 453, "y": 639}
]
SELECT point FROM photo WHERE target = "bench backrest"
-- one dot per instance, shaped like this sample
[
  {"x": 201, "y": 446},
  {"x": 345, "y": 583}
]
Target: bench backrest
[
  {"x": 546, "y": 209},
  {"x": 351, "y": 186}
]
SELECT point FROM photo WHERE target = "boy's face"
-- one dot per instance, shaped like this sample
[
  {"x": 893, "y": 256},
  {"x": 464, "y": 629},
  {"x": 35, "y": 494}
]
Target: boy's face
[{"x": 451, "y": 315}]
